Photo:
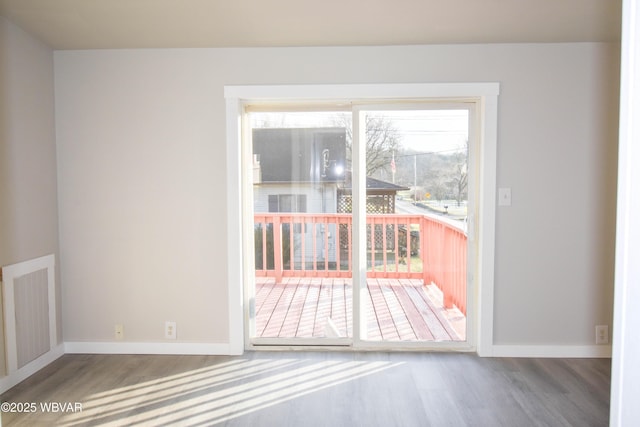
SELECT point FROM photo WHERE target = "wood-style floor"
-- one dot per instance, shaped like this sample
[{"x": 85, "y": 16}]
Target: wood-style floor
[
  {"x": 397, "y": 310},
  {"x": 291, "y": 389}
]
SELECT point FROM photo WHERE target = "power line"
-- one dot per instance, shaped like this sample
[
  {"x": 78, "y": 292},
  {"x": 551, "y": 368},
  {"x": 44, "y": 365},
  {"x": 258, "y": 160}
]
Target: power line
[{"x": 430, "y": 152}]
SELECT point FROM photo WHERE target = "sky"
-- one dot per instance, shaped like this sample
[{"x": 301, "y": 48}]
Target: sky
[
  {"x": 420, "y": 130},
  {"x": 431, "y": 130}
]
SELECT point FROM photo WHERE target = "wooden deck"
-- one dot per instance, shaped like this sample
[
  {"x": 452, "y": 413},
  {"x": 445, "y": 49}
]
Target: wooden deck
[
  {"x": 304, "y": 245},
  {"x": 397, "y": 310}
]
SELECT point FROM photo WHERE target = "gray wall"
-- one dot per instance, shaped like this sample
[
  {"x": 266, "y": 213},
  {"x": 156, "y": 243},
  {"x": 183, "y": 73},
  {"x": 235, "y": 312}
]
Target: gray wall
[
  {"x": 28, "y": 189},
  {"x": 142, "y": 179}
]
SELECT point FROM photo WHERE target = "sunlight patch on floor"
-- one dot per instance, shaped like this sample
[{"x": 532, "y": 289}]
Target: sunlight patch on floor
[{"x": 218, "y": 393}]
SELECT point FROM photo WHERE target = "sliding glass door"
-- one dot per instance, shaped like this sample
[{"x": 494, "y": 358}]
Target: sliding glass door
[{"x": 360, "y": 222}]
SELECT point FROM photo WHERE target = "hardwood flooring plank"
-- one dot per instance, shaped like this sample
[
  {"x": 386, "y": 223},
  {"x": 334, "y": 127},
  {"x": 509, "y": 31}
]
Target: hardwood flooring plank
[
  {"x": 339, "y": 306},
  {"x": 292, "y": 319},
  {"x": 348, "y": 293},
  {"x": 324, "y": 307},
  {"x": 259, "y": 282},
  {"x": 398, "y": 315},
  {"x": 266, "y": 309},
  {"x": 436, "y": 329},
  {"x": 262, "y": 292},
  {"x": 281, "y": 309},
  {"x": 385, "y": 319},
  {"x": 318, "y": 389},
  {"x": 308, "y": 315},
  {"x": 416, "y": 320},
  {"x": 374, "y": 333}
]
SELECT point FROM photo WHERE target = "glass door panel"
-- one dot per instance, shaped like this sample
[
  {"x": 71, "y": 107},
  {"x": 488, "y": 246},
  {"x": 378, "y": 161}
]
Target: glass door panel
[
  {"x": 416, "y": 234},
  {"x": 302, "y": 228}
]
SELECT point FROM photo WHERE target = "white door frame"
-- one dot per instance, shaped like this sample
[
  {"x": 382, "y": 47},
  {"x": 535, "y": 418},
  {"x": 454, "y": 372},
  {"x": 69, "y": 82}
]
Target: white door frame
[
  {"x": 486, "y": 94},
  {"x": 626, "y": 318}
]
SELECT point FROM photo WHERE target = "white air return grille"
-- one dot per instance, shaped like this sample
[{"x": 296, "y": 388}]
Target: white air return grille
[
  {"x": 31, "y": 300},
  {"x": 29, "y": 311}
]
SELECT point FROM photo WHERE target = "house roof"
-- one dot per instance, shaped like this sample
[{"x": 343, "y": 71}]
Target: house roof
[
  {"x": 300, "y": 154},
  {"x": 374, "y": 184},
  {"x": 378, "y": 184}
]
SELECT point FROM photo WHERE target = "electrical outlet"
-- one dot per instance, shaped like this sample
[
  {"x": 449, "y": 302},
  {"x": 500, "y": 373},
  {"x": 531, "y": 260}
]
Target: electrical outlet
[
  {"x": 119, "y": 331},
  {"x": 602, "y": 334},
  {"x": 170, "y": 332}
]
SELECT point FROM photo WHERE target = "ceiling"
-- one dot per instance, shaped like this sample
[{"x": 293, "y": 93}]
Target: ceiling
[{"x": 101, "y": 24}]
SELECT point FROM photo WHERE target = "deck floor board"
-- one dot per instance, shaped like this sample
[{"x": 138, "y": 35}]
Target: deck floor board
[
  {"x": 415, "y": 317},
  {"x": 397, "y": 310}
]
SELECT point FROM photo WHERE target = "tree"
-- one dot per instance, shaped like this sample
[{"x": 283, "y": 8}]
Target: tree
[
  {"x": 382, "y": 140},
  {"x": 459, "y": 182},
  {"x": 460, "y": 177},
  {"x": 444, "y": 176}
]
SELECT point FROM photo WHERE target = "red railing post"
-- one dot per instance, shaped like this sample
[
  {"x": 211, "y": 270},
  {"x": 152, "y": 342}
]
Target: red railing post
[
  {"x": 277, "y": 248},
  {"x": 448, "y": 284},
  {"x": 424, "y": 250}
]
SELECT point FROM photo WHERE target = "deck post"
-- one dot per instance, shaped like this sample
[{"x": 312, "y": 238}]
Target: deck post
[
  {"x": 426, "y": 279},
  {"x": 277, "y": 248},
  {"x": 447, "y": 266}
]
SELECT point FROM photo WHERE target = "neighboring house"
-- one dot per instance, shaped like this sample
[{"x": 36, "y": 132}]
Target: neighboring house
[
  {"x": 298, "y": 170},
  {"x": 302, "y": 170}
]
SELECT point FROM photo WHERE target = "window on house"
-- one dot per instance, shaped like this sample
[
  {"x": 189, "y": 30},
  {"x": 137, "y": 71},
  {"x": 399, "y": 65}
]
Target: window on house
[{"x": 288, "y": 203}]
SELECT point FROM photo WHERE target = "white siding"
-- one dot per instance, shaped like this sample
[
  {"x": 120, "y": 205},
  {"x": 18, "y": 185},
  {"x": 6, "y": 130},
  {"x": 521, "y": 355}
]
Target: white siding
[{"x": 321, "y": 198}]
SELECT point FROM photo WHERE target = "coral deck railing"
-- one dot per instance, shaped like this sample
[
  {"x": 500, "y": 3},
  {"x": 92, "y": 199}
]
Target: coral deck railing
[{"x": 398, "y": 246}]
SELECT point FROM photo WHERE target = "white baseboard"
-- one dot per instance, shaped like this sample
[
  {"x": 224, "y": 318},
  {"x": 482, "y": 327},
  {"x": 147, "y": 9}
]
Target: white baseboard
[
  {"x": 30, "y": 368},
  {"x": 111, "y": 347},
  {"x": 81, "y": 347},
  {"x": 551, "y": 351},
  {"x": 178, "y": 348}
]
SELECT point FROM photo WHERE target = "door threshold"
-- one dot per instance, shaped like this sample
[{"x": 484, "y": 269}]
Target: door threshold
[{"x": 463, "y": 347}]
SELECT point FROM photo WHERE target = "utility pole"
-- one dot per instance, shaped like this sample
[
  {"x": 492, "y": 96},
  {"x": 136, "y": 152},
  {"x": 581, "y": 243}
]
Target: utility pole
[
  {"x": 415, "y": 179},
  {"x": 393, "y": 167}
]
